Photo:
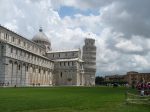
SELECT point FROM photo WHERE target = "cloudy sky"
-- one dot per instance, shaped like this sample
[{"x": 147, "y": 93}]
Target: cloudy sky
[{"x": 121, "y": 28}]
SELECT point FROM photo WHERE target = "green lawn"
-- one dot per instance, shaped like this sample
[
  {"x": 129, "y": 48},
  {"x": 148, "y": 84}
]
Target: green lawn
[{"x": 66, "y": 99}]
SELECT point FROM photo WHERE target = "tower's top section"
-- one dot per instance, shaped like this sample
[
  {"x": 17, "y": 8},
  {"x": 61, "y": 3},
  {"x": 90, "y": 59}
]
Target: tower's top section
[{"x": 89, "y": 41}]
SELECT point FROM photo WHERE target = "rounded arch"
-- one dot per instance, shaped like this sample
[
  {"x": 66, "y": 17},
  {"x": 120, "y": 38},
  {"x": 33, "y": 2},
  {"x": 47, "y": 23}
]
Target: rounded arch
[{"x": 10, "y": 61}]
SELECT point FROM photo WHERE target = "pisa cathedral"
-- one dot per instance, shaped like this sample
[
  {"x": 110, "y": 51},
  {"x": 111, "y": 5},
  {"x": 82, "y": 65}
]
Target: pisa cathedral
[{"x": 26, "y": 62}]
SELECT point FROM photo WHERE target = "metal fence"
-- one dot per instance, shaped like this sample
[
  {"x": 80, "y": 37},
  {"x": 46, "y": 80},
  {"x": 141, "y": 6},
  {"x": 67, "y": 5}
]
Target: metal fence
[{"x": 138, "y": 97}]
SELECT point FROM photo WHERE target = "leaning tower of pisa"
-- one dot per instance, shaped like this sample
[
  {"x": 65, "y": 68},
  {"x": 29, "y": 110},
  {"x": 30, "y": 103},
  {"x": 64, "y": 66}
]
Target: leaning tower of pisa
[{"x": 89, "y": 58}]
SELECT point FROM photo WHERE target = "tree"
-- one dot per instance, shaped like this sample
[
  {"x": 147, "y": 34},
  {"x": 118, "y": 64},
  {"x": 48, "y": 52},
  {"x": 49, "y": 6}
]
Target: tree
[{"x": 99, "y": 80}]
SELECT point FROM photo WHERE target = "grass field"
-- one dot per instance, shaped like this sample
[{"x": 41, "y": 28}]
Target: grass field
[{"x": 66, "y": 99}]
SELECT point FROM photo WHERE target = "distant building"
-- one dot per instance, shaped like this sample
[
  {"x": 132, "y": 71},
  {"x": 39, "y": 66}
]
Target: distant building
[
  {"x": 131, "y": 77},
  {"x": 135, "y": 77},
  {"x": 115, "y": 78},
  {"x": 26, "y": 62}
]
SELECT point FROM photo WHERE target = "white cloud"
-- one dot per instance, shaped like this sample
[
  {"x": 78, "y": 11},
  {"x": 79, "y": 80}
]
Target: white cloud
[
  {"x": 121, "y": 28},
  {"x": 127, "y": 45}
]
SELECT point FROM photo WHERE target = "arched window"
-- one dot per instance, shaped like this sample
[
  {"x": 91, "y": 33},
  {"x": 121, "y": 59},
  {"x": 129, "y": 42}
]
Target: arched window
[
  {"x": 10, "y": 61},
  {"x": 2, "y": 49},
  {"x": 64, "y": 64},
  {"x": 16, "y": 51},
  {"x": 27, "y": 68},
  {"x": 18, "y": 67},
  {"x": 73, "y": 54},
  {"x": 18, "y": 41},
  {"x": 11, "y": 50},
  {"x": 61, "y": 74},
  {"x": 13, "y": 39}
]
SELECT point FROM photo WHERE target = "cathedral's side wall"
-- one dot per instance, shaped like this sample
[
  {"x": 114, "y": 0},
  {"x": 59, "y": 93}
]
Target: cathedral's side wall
[
  {"x": 20, "y": 71},
  {"x": 22, "y": 62}
]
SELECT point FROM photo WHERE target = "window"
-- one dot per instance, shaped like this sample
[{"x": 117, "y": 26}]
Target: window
[
  {"x": 24, "y": 43},
  {"x": 16, "y": 52},
  {"x": 2, "y": 50},
  {"x": 13, "y": 39},
  {"x": 18, "y": 67},
  {"x": 68, "y": 63},
  {"x": 39, "y": 70},
  {"x": 11, "y": 50},
  {"x": 60, "y": 63},
  {"x": 31, "y": 57},
  {"x": 73, "y": 54},
  {"x": 18, "y": 41},
  {"x": 6, "y": 36},
  {"x": 20, "y": 53},
  {"x": 27, "y": 68},
  {"x": 64, "y": 64},
  {"x": 33, "y": 69},
  {"x": 61, "y": 74},
  {"x": 28, "y": 46}
]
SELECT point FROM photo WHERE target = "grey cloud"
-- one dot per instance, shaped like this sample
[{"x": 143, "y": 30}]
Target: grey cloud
[
  {"x": 81, "y": 4},
  {"x": 129, "y": 16},
  {"x": 135, "y": 45}
]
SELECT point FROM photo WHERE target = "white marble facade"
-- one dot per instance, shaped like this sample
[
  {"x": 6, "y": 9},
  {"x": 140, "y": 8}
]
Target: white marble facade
[{"x": 26, "y": 62}]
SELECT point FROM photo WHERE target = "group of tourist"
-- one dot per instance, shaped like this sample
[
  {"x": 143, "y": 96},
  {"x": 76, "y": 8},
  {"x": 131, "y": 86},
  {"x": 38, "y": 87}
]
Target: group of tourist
[
  {"x": 4, "y": 84},
  {"x": 143, "y": 88}
]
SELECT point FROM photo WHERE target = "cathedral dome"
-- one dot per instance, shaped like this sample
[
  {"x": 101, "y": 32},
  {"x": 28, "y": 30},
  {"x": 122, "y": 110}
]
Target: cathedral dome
[
  {"x": 41, "y": 39},
  {"x": 40, "y": 36}
]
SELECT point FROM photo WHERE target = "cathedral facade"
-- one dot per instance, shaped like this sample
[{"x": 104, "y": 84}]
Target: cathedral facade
[{"x": 26, "y": 62}]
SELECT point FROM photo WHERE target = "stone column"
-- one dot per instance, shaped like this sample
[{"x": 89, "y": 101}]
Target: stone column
[
  {"x": 15, "y": 72},
  {"x": 36, "y": 75},
  {"x": 78, "y": 78},
  {"x": 9, "y": 69},
  {"x": 27, "y": 75},
  {"x": 42, "y": 82},
  {"x": 31, "y": 75},
  {"x": 12, "y": 73},
  {"x": 50, "y": 78}
]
